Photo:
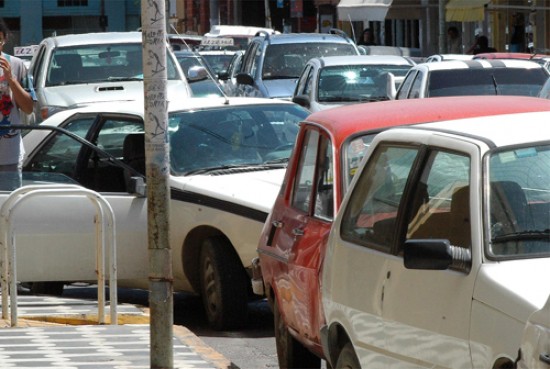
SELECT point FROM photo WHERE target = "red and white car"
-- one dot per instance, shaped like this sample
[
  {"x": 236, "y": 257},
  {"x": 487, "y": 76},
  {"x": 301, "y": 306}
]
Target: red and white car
[{"x": 329, "y": 148}]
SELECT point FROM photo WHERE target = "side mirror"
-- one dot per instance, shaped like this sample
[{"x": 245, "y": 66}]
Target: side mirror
[
  {"x": 302, "y": 100},
  {"x": 137, "y": 186},
  {"x": 435, "y": 254},
  {"x": 223, "y": 75},
  {"x": 197, "y": 73},
  {"x": 391, "y": 87},
  {"x": 245, "y": 79}
]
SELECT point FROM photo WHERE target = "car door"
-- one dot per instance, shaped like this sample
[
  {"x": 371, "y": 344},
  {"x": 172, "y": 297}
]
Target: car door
[
  {"x": 303, "y": 228},
  {"x": 426, "y": 313},
  {"x": 67, "y": 157}
]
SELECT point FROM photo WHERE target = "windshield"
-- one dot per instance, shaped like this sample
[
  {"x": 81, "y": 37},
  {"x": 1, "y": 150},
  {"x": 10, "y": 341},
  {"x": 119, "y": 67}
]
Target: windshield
[
  {"x": 357, "y": 82},
  {"x": 247, "y": 135},
  {"x": 487, "y": 81},
  {"x": 99, "y": 63},
  {"x": 519, "y": 202},
  {"x": 288, "y": 60}
]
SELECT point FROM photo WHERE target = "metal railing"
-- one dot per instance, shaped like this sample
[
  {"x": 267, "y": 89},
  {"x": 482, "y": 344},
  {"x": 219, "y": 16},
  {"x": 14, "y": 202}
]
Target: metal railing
[{"x": 105, "y": 235}]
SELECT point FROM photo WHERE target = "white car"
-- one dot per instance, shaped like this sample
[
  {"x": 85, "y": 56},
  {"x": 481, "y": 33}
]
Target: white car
[
  {"x": 534, "y": 352},
  {"x": 227, "y": 162},
  {"x": 331, "y": 81},
  {"x": 473, "y": 77},
  {"x": 441, "y": 248},
  {"x": 71, "y": 71}
]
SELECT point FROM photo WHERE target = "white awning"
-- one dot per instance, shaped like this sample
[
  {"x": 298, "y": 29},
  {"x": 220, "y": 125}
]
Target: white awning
[
  {"x": 363, "y": 10},
  {"x": 465, "y": 10}
]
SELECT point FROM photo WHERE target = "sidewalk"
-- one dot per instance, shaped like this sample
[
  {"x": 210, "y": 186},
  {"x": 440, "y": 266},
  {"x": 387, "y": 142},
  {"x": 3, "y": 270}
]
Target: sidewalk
[{"x": 63, "y": 333}]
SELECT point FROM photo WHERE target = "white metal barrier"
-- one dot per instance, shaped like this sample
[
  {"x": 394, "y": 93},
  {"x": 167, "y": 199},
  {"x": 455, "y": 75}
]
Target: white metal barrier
[{"x": 105, "y": 235}]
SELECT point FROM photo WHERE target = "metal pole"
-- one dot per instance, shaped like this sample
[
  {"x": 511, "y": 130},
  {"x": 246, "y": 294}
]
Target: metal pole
[
  {"x": 442, "y": 31},
  {"x": 157, "y": 172}
]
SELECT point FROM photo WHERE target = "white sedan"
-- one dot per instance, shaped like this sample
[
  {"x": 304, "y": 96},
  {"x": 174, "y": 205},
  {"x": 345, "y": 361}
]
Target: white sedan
[
  {"x": 227, "y": 160},
  {"x": 332, "y": 81}
]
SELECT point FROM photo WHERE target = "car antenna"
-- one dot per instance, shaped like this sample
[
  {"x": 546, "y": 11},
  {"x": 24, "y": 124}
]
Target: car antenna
[{"x": 218, "y": 86}]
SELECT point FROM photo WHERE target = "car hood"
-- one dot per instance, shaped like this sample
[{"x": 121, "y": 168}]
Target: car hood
[
  {"x": 515, "y": 287},
  {"x": 72, "y": 96},
  {"x": 280, "y": 88},
  {"x": 255, "y": 189}
]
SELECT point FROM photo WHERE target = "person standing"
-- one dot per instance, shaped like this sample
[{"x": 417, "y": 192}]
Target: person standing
[
  {"x": 15, "y": 100},
  {"x": 454, "y": 40}
]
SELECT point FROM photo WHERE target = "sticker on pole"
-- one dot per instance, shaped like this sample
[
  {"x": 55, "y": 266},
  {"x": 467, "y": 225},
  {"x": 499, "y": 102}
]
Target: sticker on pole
[{"x": 217, "y": 41}]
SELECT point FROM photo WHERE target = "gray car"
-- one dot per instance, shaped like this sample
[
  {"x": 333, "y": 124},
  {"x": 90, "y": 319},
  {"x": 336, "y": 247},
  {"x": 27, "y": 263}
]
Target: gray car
[
  {"x": 273, "y": 63},
  {"x": 72, "y": 71}
]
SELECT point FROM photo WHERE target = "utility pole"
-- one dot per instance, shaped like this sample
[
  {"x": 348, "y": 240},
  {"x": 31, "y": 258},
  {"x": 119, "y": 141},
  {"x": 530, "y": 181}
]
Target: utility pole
[{"x": 161, "y": 299}]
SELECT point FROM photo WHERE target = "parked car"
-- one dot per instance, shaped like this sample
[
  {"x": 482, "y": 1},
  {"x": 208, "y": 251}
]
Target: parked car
[
  {"x": 72, "y": 71},
  {"x": 218, "y": 60},
  {"x": 332, "y": 81},
  {"x": 227, "y": 161},
  {"x": 542, "y": 59},
  {"x": 436, "y": 255},
  {"x": 200, "y": 77},
  {"x": 328, "y": 151},
  {"x": 273, "y": 63},
  {"x": 473, "y": 77},
  {"x": 534, "y": 350}
]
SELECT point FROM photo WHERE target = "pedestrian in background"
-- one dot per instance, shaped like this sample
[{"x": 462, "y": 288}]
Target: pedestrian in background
[
  {"x": 454, "y": 41},
  {"x": 15, "y": 100}
]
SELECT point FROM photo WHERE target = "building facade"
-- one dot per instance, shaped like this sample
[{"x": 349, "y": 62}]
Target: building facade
[{"x": 511, "y": 25}]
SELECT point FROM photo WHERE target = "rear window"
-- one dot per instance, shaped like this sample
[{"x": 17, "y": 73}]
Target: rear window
[{"x": 486, "y": 81}]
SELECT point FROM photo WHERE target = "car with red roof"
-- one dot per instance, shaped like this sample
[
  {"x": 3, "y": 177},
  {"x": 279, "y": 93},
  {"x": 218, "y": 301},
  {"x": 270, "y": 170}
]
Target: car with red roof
[{"x": 329, "y": 148}]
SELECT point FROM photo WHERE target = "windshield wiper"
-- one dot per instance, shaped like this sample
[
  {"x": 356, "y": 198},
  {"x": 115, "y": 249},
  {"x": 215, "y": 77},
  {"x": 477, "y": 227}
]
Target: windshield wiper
[
  {"x": 222, "y": 167},
  {"x": 524, "y": 235}
]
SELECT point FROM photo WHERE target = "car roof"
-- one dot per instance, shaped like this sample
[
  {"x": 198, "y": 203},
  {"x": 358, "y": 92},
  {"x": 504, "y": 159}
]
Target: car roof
[
  {"x": 503, "y": 55},
  {"x": 346, "y": 120},
  {"x": 328, "y": 61},
  {"x": 294, "y": 38},
  {"x": 95, "y": 38},
  {"x": 515, "y": 128},
  {"x": 478, "y": 63}
]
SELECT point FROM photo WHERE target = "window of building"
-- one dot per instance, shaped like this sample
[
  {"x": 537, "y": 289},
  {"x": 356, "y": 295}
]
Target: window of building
[{"x": 64, "y": 3}]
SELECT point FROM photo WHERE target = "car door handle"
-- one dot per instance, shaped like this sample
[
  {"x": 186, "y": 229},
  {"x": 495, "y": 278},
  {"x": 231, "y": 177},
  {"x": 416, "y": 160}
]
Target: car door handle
[
  {"x": 545, "y": 358},
  {"x": 277, "y": 224},
  {"x": 298, "y": 232}
]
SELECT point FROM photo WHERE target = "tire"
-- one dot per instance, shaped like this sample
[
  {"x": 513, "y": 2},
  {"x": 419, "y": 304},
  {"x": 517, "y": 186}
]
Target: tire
[
  {"x": 347, "y": 358},
  {"x": 47, "y": 288},
  {"x": 224, "y": 285},
  {"x": 291, "y": 354}
]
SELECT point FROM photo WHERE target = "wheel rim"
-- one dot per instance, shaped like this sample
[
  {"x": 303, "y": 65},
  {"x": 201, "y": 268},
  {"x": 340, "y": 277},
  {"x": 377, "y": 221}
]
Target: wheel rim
[{"x": 210, "y": 292}]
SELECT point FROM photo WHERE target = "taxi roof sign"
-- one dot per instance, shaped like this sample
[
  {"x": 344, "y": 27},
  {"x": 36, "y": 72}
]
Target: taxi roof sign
[
  {"x": 25, "y": 51},
  {"x": 217, "y": 41}
]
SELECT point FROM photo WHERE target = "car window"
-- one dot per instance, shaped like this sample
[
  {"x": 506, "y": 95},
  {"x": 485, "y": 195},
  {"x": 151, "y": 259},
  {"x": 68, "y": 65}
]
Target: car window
[
  {"x": 354, "y": 151},
  {"x": 97, "y": 63},
  {"x": 406, "y": 85},
  {"x": 288, "y": 60},
  {"x": 240, "y": 135},
  {"x": 303, "y": 81},
  {"x": 440, "y": 202},
  {"x": 59, "y": 152},
  {"x": 416, "y": 87},
  {"x": 370, "y": 216},
  {"x": 249, "y": 57},
  {"x": 303, "y": 184},
  {"x": 519, "y": 202},
  {"x": 324, "y": 191},
  {"x": 487, "y": 81}
]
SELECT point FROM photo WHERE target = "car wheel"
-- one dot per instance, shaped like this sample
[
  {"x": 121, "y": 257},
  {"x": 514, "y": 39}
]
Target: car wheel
[
  {"x": 47, "y": 288},
  {"x": 347, "y": 358},
  {"x": 223, "y": 285},
  {"x": 290, "y": 352}
]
